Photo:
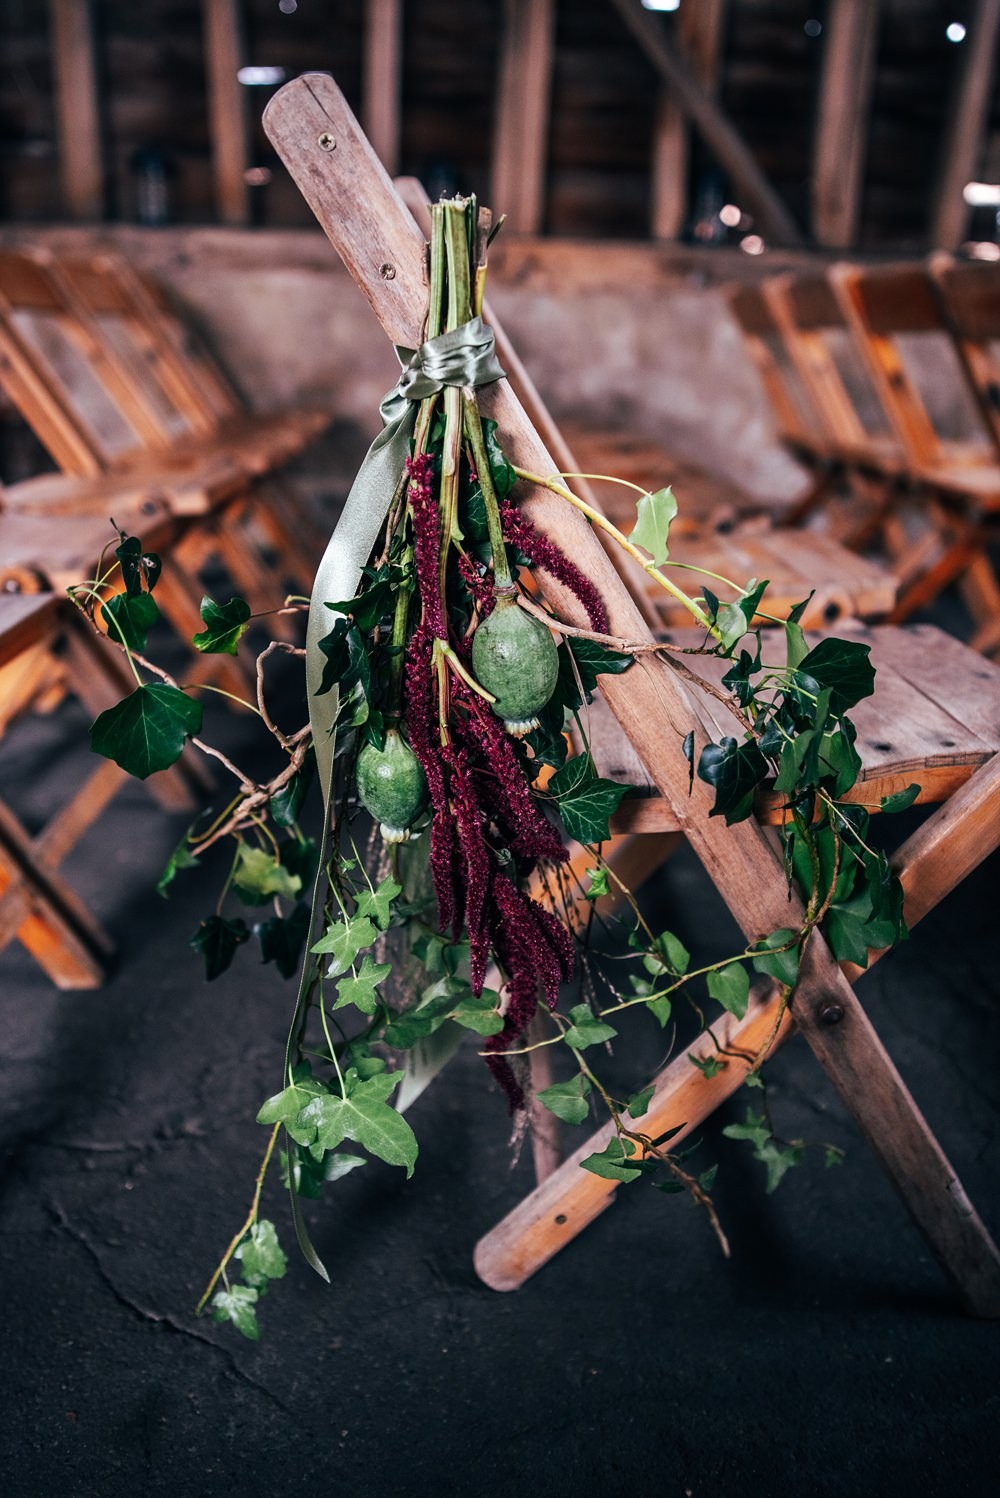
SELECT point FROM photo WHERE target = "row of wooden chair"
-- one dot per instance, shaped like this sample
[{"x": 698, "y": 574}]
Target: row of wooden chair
[
  {"x": 885, "y": 381},
  {"x": 144, "y": 428}
]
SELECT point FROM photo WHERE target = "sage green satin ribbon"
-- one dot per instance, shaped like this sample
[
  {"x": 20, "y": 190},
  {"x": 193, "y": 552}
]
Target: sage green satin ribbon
[{"x": 465, "y": 356}]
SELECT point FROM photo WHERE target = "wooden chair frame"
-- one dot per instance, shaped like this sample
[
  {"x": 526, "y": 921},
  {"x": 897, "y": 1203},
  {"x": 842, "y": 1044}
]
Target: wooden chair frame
[
  {"x": 354, "y": 201},
  {"x": 961, "y": 480}
]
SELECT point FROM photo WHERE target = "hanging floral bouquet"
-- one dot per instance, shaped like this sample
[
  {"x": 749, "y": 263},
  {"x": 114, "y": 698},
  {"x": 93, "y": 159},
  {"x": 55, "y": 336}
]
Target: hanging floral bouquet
[{"x": 446, "y": 701}]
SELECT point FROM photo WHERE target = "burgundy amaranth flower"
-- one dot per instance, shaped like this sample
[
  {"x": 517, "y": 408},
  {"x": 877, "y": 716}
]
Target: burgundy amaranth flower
[
  {"x": 479, "y": 584},
  {"x": 518, "y": 531},
  {"x": 427, "y": 539},
  {"x": 476, "y": 866},
  {"x": 420, "y": 711},
  {"x": 506, "y": 788}
]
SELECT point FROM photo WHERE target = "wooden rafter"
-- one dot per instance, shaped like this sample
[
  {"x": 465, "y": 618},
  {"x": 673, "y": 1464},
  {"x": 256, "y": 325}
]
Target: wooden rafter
[
  {"x": 842, "y": 119},
  {"x": 965, "y": 129},
  {"x": 701, "y": 28},
  {"x": 522, "y": 117},
  {"x": 382, "y": 78},
  {"x": 77, "y": 110},
  {"x": 715, "y": 127},
  {"x": 227, "y": 108}
]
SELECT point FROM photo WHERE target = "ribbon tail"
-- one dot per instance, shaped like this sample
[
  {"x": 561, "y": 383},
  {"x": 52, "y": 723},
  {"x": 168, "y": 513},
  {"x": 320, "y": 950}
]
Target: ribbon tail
[{"x": 339, "y": 572}]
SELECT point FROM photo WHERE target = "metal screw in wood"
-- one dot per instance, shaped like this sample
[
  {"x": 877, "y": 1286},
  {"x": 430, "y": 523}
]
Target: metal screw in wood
[{"x": 326, "y": 142}]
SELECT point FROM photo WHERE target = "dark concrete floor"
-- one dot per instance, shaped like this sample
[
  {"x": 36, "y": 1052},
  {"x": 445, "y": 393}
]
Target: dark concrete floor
[{"x": 828, "y": 1357}]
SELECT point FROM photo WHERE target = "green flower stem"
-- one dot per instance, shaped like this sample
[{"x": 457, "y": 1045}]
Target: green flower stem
[
  {"x": 481, "y": 462},
  {"x": 400, "y": 619},
  {"x": 443, "y": 651},
  {"x": 596, "y": 518}
]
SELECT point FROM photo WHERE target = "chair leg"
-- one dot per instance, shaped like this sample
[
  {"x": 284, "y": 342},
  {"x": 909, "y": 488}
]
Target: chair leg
[
  {"x": 42, "y": 911},
  {"x": 933, "y": 862}
]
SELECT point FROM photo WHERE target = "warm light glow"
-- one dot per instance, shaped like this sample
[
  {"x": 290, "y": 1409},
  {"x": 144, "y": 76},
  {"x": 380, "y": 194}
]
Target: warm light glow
[
  {"x": 661, "y": 4},
  {"x": 288, "y": 7},
  {"x": 730, "y": 215},
  {"x": 981, "y": 249},
  {"x": 955, "y": 32},
  {"x": 257, "y": 176},
  {"x": 261, "y": 77},
  {"x": 752, "y": 244},
  {"x": 982, "y": 194}
]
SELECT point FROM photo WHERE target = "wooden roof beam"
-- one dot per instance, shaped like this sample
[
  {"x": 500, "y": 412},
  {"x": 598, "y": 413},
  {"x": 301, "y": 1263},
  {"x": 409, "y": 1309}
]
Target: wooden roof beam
[
  {"x": 701, "y": 29},
  {"x": 715, "y": 127},
  {"x": 842, "y": 120},
  {"x": 383, "y": 65},
  {"x": 966, "y": 125},
  {"x": 227, "y": 108},
  {"x": 520, "y": 142},
  {"x": 74, "y": 57}
]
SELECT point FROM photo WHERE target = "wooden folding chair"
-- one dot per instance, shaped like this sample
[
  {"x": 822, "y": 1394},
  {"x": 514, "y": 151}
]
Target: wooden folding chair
[
  {"x": 353, "y": 199},
  {"x": 76, "y": 362},
  {"x": 897, "y": 321},
  {"x": 820, "y": 347},
  {"x": 46, "y": 652},
  {"x": 799, "y": 421}
]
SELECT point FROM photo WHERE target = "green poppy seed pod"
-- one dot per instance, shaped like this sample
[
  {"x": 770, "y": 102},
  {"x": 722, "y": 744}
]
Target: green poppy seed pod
[
  {"x": 391, "y": 785},
  {"x": 516, "y": 659}
]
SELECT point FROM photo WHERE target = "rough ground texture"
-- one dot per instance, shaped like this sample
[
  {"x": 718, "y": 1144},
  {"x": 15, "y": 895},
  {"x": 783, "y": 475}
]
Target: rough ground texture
[{"x": 827, "y": 1358}]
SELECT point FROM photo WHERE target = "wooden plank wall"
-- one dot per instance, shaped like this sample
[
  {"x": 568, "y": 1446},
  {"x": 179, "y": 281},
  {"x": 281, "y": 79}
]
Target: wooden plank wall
[{"x": 855, "y": 128}]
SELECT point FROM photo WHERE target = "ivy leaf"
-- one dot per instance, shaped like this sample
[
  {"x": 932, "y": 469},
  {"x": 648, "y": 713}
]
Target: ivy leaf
[
  {"x": 651, "y": 531},
  {"x": 285, "y": 1107},
  {"x": 900, "y": 800},
  {"x": 586, "y": 800},
  {"x": 594, "y": 660},
  {"x": 310, "y": 1176},
  {"x": 261, "y": 1255},
  {"x": 367, "y": 1118},
  {"x": 794, "y": 753},
  {"x": 730, "y": 986},
  {"x": 282, "y": 938},
  {"x": 661, "y": 1007},
  {"x": 777, "y": 964},
  {"x": 611, "y": 1163},
  {"x": 343, "y": 941},
  {"x": 374, "y": 602},
  {"x": 258, "y": 876},
  {"x": 347, "y": 661},
  {"x": 709, "y": 1066},
  {"x": 843, "y": 666},
  {"x": 286, "y": 803},
  {"x": 376, "y": 902},
  {"x": 479, "y": 1012},
  {"x": 735, "y": 770},
  {"x": 852, "y": 929},
  {"x": 585, "y": 1029},
  {"x": 669, "y": 955},
  {"x": 360, "y": 990},
  {"x": 225, "y": 625},
  {"x": 147, "y": 730},
  {"x": 140, "y": 569},
  {"x": 238, "y": 1305},
  {"x": 638, "y": 1104},
  {"x": 567, "y": 1100},
  {"x": 738, "y": 678},
  {"x": 180, "y": 858},
  {"x": 778, "y": 1158},
  {"x": 598, "y": 885},
  {"x": 217, "y": 939},
  {"x": 129, "y": 618}
]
